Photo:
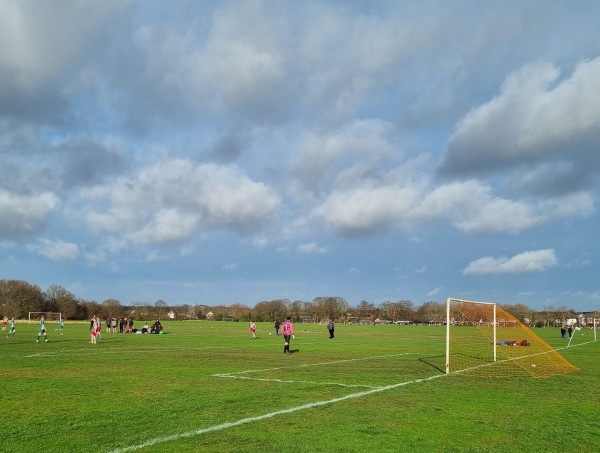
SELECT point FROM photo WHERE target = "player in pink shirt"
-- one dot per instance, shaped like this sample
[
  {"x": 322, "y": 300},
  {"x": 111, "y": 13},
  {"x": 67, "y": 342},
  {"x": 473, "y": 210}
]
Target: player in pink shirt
[{"x": 288, "y": 331}]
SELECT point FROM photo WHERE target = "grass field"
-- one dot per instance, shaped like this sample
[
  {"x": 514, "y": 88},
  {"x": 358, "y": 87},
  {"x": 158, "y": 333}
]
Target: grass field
[{"x": 209, "y": 387}]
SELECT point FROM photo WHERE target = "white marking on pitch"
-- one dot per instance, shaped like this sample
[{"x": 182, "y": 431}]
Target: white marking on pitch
[
  {"x": 236, "y": 374},
  {"x": 101, "y": 350},
  {"x": 243, "y": 421}
]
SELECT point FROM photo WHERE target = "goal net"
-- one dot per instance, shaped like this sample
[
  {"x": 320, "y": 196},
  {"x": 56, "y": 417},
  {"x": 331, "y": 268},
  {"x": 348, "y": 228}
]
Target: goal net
[
  {"x": 227, "y": 319},
  {"x": 484, "y": 340}
]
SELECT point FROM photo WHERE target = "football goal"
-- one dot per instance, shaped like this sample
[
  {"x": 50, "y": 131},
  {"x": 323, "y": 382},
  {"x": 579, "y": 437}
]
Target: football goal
[
  {"x": 484, "y": 340},
  {"x": 583, "y": 333},
  {"x": 227, "y": 319},
  {"x": 48, "y": 316}
]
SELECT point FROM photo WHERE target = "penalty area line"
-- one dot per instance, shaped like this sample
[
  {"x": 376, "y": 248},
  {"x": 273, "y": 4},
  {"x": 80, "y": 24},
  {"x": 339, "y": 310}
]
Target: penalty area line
[
  {"x": 284, "y": 381},
  {"x": 222, "y": 426}
]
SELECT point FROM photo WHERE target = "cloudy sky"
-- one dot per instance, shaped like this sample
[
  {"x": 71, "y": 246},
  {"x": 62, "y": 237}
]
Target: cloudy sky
[{"x": 224, "y": 152}]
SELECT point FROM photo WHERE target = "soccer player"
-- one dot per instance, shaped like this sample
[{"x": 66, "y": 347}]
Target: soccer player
[
  {"x": 4, "y": 322},
  {"x": 253, "y": 329},
  {"x": 94, "y": 328},
  {"x": 42, "y": 330},
  {"x": 61, "y": 325},
  {"x": 11, "y": 327},
  {"x": 331, "y": 328},
  {"x": 288, "y": 331},
  {"x": 98, "y": 326}
]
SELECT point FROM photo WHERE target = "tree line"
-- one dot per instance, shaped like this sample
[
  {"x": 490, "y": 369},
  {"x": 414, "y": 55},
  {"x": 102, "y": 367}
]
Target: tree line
[{"x": 18, "y": 298}]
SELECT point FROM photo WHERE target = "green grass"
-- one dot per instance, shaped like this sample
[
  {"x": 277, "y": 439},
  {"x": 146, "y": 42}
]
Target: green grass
[{"x": 130, "y": 390}]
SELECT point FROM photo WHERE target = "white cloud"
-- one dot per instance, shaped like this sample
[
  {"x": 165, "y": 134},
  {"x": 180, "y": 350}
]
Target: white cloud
[
  {"x": 359, "y": 144},
  {"x": 311, "y": 247},
  {"x": 367, "y": 209},
  {"x": 55, "y": 250},
  {"x": 435, "y": 291},
  {"x": 173, "y": 200},
  {"x": 23, "y": 214},
  {"x": 531, "y": 261},
  {"x": 535, "y": 115},
  {"x": 470, "y": 206},
  {"x": 40, "y": 40},
  {"x": 260, "y": 242}
]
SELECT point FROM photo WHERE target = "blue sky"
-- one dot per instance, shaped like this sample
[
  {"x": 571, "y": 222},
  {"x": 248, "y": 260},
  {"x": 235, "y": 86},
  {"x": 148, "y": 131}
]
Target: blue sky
[{"x": 232, "y": 152}]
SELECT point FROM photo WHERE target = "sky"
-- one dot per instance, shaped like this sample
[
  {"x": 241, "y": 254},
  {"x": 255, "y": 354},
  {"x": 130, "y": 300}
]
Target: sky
[{"x": 223, "y": 152}]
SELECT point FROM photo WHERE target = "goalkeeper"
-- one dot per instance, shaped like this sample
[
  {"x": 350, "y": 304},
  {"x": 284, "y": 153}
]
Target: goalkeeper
[{"x": 288, "y": 333}]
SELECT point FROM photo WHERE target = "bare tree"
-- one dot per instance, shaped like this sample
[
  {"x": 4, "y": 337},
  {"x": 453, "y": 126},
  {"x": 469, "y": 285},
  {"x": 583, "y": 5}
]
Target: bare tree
[
  {"x": 18, "y": 297},
  {"x": 296, "y": 310},
  {"x": 113, "y": 308},
  {"x": 61, "y": 300},
  {"x": 366, "y": 310},
  {"x": 331, "y": 307},
  {"x": 432, "y": 312},
  {"x": 271, "y": 310},
  {"x": 160, "y": 309}
]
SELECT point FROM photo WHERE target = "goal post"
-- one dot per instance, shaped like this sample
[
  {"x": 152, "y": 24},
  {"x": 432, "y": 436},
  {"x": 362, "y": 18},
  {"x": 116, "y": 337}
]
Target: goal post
[
  {"x": 580, "y": 334},
  {"x": 464, "y": 313},
  {"x": 484, "y": 340},
  {"x": 227, "y": 319},
  {"x": 48, "y": 315}
]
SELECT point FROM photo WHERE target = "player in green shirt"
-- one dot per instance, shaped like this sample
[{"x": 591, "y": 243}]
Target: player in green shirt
[
  {"x": 11, "y": 327},
  {"x": 42, "y": 331}
]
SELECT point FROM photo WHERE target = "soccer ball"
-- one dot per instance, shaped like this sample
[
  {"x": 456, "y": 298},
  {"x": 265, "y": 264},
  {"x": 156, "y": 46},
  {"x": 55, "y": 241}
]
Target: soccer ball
[{"x": 269, "y": 333}]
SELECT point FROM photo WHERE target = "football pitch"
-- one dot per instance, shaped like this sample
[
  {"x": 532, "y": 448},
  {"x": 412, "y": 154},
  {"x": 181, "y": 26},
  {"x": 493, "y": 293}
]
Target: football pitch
[{"x": 209, "y": 387}]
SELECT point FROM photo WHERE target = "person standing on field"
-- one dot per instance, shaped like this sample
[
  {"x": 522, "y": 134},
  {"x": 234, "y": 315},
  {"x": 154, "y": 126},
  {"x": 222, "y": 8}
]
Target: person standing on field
[
  {"x": 98, "y": 324},
  {"x": 331, "y": 327},
  {"x": 11, "y": 327},
  {"x": 253, "y": 329},
  {"x": 288, "y": 332},
  {"x": 42, "y": 330},
  {"x": 94, "y": 329},
  {"x": 277, "y": 326},
  {"x": 4, "y": 322},
  {"x": 61, "y": 326}
]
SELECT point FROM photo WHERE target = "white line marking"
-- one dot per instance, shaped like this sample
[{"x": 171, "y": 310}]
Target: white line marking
[
  {"x": 102, "y": 350},
  {"x": 284, "y": 381},
  {"x": 198, "y": 432},
  {"x": 310, "y": 364},
  {"x": 236, "y": 374}
]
